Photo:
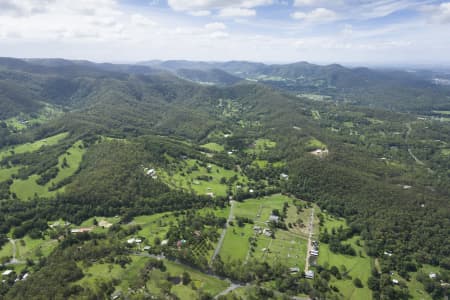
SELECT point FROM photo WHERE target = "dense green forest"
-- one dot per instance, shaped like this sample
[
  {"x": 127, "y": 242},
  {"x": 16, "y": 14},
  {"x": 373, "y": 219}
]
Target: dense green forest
[{"x": 372, "y": 154}]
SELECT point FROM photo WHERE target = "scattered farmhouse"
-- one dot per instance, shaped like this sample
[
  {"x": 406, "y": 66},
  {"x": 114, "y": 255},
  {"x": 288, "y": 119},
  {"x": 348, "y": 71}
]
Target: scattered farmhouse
[
  {"x": 320, "y": 152},
  {"x": 284, "y": 176},
  {"x": 274, "y": 218},
  {"x": 81, "y": 230},
  {"x": 7, "y": 272},
  {"x": 309, "y": 274}
]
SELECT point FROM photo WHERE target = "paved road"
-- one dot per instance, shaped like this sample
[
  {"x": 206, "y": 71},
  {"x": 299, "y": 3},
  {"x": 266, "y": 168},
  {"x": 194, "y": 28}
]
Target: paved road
[
  {"x": 14, "y": 260},
  {"x": 311, "y": 231},
  {"x": 231, "y": 288},
  {"x": 418, "y": 161},
  {"x": 222, "y": 236}
]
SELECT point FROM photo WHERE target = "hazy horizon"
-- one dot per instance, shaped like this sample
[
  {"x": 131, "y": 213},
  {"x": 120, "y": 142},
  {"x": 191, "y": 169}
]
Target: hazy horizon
[{"x": 349, "y": 32}]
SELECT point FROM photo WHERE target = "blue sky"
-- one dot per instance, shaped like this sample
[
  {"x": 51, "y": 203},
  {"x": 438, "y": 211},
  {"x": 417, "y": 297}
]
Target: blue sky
[{"x": 378, "y": 32}]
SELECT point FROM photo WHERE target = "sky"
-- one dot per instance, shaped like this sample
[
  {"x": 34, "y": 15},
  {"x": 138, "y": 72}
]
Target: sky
[{"x": 377, "y": 32}]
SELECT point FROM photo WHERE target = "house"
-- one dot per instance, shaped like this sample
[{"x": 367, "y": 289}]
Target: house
[
  {"x": 81, "y": 230},
  {"x": 267, "y": 232},
  {"x": 394, "y": 281},
  {"x": 251, "y": 191},
  {"x": 432, "y": 275},
  {"x": 294, "y": 270},
  {"x": 210, "y": 194},
  {"x": 25, "y": 276},
  {"x": 146, "y": 248},
  {"x": 320, "y": 152},
  {"x": 314, "y": 253},
  {"x": 134, "y": 240},
  {"x": 388, "y": 253},
  {"x": 274, "y": 218},
  {"x": 164, "y": 242},
  {"x": 284, "y": 176},
  {"x": 309, "y": 274},
  {"x": 7, "y": 272}
]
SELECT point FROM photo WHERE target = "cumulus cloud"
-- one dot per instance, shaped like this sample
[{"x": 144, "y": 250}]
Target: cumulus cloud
[
  {"x": 318, "y": 15},
  {"x": 237, "y": 12},
  {"x": 438, "y": 13},
  {"x": 200, "y": 13},
  {"x": 226, "y": 8},
  {"x": 215, "y": 26}
]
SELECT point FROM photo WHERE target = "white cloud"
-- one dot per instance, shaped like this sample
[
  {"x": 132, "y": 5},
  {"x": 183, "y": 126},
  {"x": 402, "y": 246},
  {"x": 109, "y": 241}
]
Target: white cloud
[
  {"x": 219, "y": 35},
  {"x": 438, "y": 13},
  {"x": 237, "y": 12},
  {"x": 318, "y": 15},
  {"x": 140, "y": 20},
  {"x": 200, "y": 13},
  {"x": 226, "y": 8},
  {"x": 306, "y": 2},
  {"x": 215, "y": 26}
]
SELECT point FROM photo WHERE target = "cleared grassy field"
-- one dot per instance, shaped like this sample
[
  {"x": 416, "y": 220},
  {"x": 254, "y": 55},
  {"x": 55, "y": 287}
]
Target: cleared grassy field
[
  {"x": 263, "y": 207},
  {"x": 195, "y": 179},
  {"x": 34, "y": 248},
  {"x": 6, "y": 174},
  {"x": 130, "y": 275},
  {"x": 315, "y": 114},
  {"x": 202, "y": 281},
  {"x": 235, "y": 245},
  {"x": 314, "y": 143},
  {"x": 356, "y": 266},
  {"x": 287, "y": 248},
  {"x": 26, "y": 189},
  {"x": 30, "y": 147},
  {"x": 154, "y": 226},
  {"x": 6, "y": 250},
  {"x": 213, "y": 147},
  {"x": 261, "y": 145}
]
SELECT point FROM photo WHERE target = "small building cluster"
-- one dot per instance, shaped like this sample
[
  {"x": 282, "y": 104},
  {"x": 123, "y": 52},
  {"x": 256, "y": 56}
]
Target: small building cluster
[
  {"x": 315, "y": 248},
  {"x": 265, "y": 231},
  {"x": 81, "y": 230},
  {"x": 150, "y": 172},
  {"x": 309, "y": 274},
  {"x": 134, "y": 241}
]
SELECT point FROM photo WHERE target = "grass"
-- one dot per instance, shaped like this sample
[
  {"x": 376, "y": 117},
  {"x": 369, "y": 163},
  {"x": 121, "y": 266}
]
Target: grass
[
  {"x": 6, "y": 250},
  {"x": 34, "y": 248},
  {"x": 28, "y": 188},
  {"x": 314, "y": 144},
  {"x": 47, "y": 113},
  {"x": 213, "y": 147},
  {"x": 130, "y": 274},
  {"x": 315, "y": 114},
  {"x": 31, "y": 147},
  {"x": 189, "y": 180},
  {"x": 202, "y": 281},
  {"x": 6, "y": 174},
  {"x": 260, "y": 163},
  {"x": 357, "y": 266},
  {"x": 261, "y": 145},
  {"x": 288, "y": 247},
  {"x": 235, "y": 245},
  {"x": 154, "y": 226},
  {"x": 445, "y": 152}
]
